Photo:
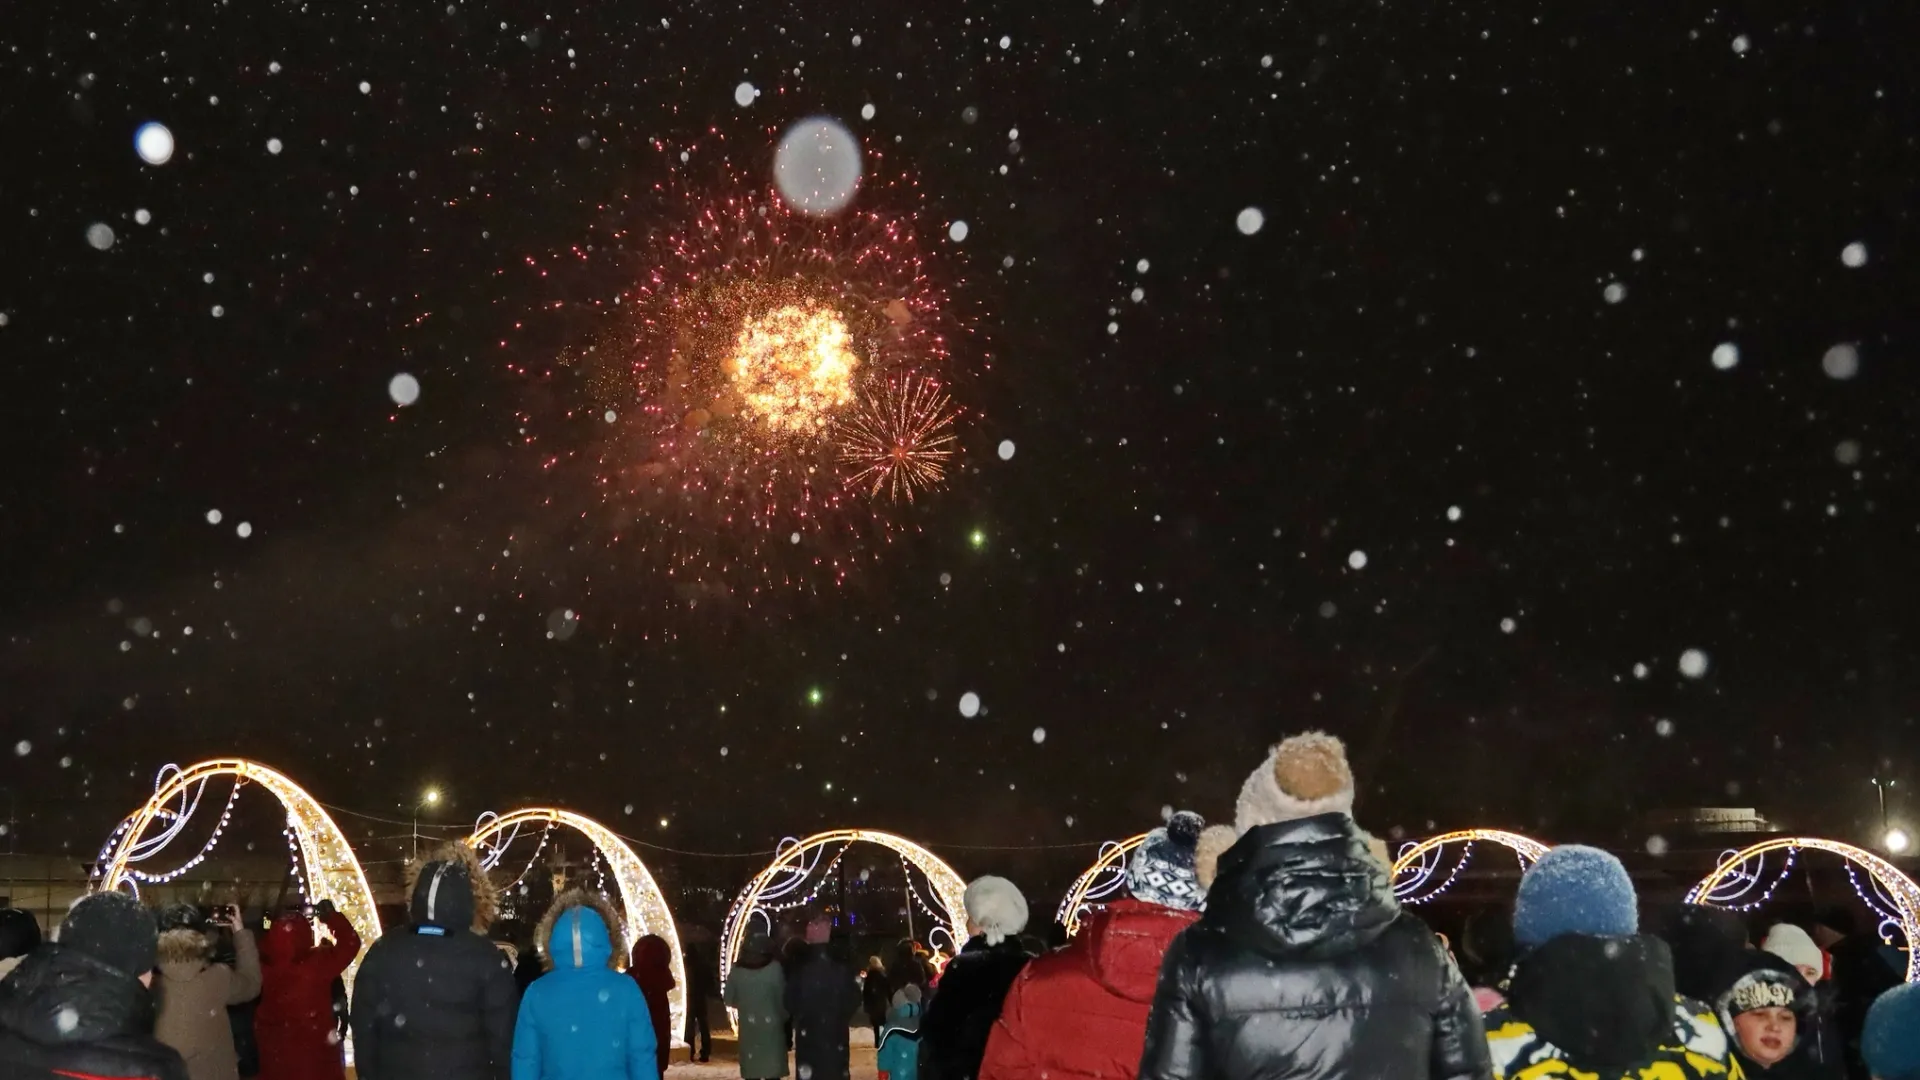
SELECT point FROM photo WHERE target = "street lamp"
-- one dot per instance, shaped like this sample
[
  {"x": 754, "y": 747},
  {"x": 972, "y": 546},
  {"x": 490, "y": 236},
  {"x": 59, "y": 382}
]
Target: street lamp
[
  {"x": 429, "y": 797},
  {"x": 1898, "y": 841}
]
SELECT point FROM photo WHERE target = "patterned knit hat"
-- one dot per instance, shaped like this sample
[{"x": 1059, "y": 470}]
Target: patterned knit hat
[{"x": 1161, "y": 870}]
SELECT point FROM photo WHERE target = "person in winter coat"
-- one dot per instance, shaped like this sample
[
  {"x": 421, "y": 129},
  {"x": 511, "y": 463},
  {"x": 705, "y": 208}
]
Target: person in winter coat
[
  {"x": 822, "y": 996},
  {"x": 1768, "y": 1014},
  {"x": 1486, "y": 955},
  {"x": 700, "y": 967},
  {"x": 1890, "y": 1038},
  {"x": 436, "y": 999},
  {"x": 1590, "y": 995},
  {"x": 1708, "y": 946},
  {"x": 876, "y": 995},
  {"x": 652, "y": 969},
  {"x": 193, "y": 992},
  {"x": 1303, "y": 964},
  {"x": 79, "y": 1007},
  {"x": 1081, "y": 1012},
  {"x": 1820, "y": 1030},
  {"x": 756, "y": 989},
  {"x": 583, "y": 1020},
  {"x": 974, "y": 984},
  {"x": 19, "y": 935},
  {"x": 294, "y": 1023},
  {"x": 1860, "y": 976}
]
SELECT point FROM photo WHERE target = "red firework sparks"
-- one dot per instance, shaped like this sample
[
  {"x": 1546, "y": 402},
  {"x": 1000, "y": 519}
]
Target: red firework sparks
[{"x": 735, "y": 389}]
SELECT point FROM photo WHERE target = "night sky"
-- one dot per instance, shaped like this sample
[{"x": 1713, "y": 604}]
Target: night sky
[{"x": 1439, "y": 459}]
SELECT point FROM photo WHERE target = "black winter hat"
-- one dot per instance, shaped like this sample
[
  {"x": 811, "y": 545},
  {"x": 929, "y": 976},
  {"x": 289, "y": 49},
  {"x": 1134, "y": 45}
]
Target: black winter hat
[
  {"x": 182, "y": 917},
  {"x": 19, "y": 933},
  {"x": 114, "y": 929}
]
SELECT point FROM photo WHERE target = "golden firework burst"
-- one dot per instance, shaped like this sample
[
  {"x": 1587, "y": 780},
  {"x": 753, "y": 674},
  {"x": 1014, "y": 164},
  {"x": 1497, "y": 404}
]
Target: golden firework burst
[
  {"x": 793, "y": 367},
  {"x": 899, "y": 438}
]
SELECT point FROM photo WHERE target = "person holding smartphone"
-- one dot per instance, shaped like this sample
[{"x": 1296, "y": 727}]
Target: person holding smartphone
[{"x": 193, "y": 990}]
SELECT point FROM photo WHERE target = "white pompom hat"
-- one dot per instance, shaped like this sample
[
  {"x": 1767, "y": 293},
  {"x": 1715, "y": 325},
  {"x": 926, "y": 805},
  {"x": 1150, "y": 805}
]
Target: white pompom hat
[{"x": 995, "y": 908}]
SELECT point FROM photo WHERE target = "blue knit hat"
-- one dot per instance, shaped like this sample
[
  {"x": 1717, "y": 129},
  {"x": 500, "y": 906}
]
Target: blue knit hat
[
  {"x": 1161, "y": 870},
  {"x": 1891, "y": 1041},
  {"x": 1574, "y": 890}
]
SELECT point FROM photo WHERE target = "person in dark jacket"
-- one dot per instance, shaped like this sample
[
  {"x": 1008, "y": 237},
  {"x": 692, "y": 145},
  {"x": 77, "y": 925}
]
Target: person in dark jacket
[
  {"x": 1303, "y": 965},
  {"x": 1819, "y": 1030},
  {"x": 973, "y": 986},
  {"x": 1590, "y": 995},
  {"x": 19, "y": 935},
  {"x": 1860, "y": 975},
  {"x": 1080, "y": 1013},
  {"x": 436, "y": 999},
  {"x": 79, "y": 1007},
  {"x": 701, "y": 970},
  {"x": 651, "y": 967},
  {"x": 1890, "y": 1038},
  {"x": 821, "y": 996},
  {"x": 294, "y": 1023},
  {"x": 875, "y": 994},
  {"x": 1769, "y": 1017},
  {"x": 1709, "y": 948}
]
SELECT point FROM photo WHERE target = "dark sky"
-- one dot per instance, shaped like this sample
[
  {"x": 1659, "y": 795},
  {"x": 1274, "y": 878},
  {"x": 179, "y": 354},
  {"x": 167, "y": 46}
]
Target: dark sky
[{"x": 1427, "y": 320}]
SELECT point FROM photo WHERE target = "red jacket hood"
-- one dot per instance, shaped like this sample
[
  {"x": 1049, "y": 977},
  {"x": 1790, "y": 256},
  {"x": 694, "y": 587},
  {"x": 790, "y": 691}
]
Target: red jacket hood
[
  {"x": 1125, "y": 943},
  {"x": 289, "y": 939}
]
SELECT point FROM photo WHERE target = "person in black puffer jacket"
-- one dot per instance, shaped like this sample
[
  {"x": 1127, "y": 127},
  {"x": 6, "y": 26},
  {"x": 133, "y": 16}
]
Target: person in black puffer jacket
[
  {"x": 436, "y": 999},
  {"x": 1303, "y": 965},
  {"x": 80, "y": 1007},
  {"x": 959, "y": 1020}
]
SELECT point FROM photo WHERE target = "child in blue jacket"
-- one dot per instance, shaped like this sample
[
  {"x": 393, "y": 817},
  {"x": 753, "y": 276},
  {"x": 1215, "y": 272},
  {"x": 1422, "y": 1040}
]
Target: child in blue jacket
[{"x": 583, "y": 1020}]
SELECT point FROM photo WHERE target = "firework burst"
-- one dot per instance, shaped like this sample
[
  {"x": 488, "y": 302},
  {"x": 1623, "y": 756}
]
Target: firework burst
[
  {"x": 765, "y": 395},
  {"x": 899, "y": 439}
]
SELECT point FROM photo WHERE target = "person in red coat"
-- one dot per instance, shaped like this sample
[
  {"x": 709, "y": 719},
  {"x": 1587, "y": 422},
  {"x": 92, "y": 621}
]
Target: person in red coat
[
  {"x": 652, "y": 968},
  {"x": 294, "y": 1024},
  {"x": 1081, "y": 1013}
]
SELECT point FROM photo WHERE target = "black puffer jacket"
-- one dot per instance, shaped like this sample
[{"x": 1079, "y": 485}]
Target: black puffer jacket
[
  {"x": 1305, "y": 967},
  {"x": 821, "y": 997},
  {"x": 435, "y": 999},
  {"x": 954, "y": 1030},
  {"x": 65, "y": 1014}
]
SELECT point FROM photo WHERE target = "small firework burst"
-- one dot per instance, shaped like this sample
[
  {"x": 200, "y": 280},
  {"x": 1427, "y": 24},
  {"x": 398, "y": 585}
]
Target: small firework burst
[
  {"x": 739, "y": 392},
  {"x": 899, "y": 439}
]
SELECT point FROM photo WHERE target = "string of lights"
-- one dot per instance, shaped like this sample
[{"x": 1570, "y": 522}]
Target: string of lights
[{"x": 213, "y": 841}]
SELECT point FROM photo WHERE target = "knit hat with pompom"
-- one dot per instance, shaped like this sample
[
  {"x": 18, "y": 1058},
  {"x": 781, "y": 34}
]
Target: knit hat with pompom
[
  {"x": 1161, "y": 869},
  {"x": 1303, "y": 776}
]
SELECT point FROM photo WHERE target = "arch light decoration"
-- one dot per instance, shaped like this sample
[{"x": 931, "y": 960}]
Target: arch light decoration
[
  {"x": 790, "y": 868},
  {"x": 1731, "y": 882},
  {"x": 1099, "y": 883},
  {"x": 1417, "y": 864},
  {"x": 331, "y": 872},
  {"x": 644, "y": 906}
]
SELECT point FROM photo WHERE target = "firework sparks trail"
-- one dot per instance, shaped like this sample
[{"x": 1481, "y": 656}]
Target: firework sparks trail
[
  {"x": 899, "y": 439},
  {"x": 748, "y": 402}
]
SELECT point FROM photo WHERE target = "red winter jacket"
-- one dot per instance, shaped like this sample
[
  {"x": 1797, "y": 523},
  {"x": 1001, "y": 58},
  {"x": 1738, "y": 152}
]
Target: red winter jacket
[
  {"x": 1082, "y": 1012},
  {"x": 294, "y": 1024},
  {"x": 651, "y": 965}
]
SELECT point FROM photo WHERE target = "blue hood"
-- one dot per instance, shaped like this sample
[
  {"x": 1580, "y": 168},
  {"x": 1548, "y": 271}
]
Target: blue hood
[{"x": 579, "y": 940}]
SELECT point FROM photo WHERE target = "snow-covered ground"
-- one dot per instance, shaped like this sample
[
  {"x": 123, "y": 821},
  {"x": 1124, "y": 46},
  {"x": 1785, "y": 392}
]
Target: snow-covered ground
[{"x": 726, "y": 1057}]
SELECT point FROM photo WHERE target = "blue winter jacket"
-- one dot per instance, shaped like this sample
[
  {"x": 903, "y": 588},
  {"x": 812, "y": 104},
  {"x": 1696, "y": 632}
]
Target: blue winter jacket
[{"x": 583, "y": 1020}]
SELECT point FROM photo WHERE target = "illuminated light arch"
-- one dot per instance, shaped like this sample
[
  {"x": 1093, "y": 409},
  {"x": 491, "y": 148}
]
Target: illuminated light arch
[
  {"x": 331, "y": 872},
  {"x": 1414, "y": 869},
  {"x": 790, "y": 868},
  {"x": 1098, "y": 883},
  {"x": 1731, "y": 882},
  {"x": 641, "y": 901}
]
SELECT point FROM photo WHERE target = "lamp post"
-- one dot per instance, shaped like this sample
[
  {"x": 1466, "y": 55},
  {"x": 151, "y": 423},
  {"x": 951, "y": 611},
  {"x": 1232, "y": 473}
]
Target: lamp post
[
  {"x": 429, "y": 797},
  {"x": 1896, "y": 840}
]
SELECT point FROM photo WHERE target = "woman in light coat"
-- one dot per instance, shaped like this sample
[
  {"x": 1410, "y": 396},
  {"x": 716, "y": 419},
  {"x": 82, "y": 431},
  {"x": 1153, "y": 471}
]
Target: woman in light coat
[
  {"x": 193, "y": 992},
  {"x": 757, "y": 990}
]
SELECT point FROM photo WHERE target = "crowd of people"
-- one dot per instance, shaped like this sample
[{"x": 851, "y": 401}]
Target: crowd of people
[{"x": 1267, "y": 949}]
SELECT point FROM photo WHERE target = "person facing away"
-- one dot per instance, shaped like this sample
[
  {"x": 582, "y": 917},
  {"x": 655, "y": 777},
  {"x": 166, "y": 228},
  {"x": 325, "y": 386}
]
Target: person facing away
[
  {"x": 583, "y": 1019},
  {"x": 1890, "y": 1037},
  {"x": 294, "y": 1023},
  {"x": 19, "y": 935},
  {"x": 875, "y": 995},
  {"x": 651, "y": 967},
  {"x": 898, "y": 1057},
  {"x": 1860, "y": 975},
  {"x": 974, "y": 984},
  {"x": 1769, "y": 1016},
  {"x": 1303, "y": 964},
  {"x": 822, "y": 996},
  {"x": 756, "y": 989},
  {"x": 1081, "y": 1011},
  {"x": 79, "y": 1007},
  {"x": 436, "y": 999},
  {"x": 1590, "y": 994},
  {"x": 700, "y": 968},
  {"x": 193, "y": 991}
]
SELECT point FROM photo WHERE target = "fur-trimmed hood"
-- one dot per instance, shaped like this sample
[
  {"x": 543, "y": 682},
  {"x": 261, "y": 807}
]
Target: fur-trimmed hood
[
  {"x": 183, "y": 946},
  {"x": 605, "y": 945},
  {"x": 486, "y": 897}
]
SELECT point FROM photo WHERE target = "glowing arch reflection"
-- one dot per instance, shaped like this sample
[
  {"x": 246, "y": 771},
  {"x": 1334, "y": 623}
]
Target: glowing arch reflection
[
  {"x": 1732, "y": 884},
  {"x": 641, "y": 902},
  {"x": 1419, "y": 864},
  {"x": 1102, "y": 882},
  {"x": 330, "y": 870},
  {"x": 790, "y": 868}
]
